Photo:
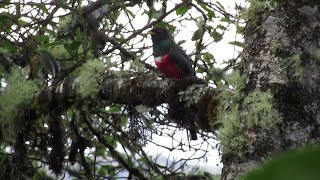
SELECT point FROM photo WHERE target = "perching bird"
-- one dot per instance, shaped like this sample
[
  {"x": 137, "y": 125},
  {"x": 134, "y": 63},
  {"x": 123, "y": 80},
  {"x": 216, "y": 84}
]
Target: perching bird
[
  {"x": 172, "y": 61},
  {"x": 42, "y": 64}
]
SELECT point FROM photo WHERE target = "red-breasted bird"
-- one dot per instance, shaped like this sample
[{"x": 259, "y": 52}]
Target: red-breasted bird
[
  {"x": 172, "y": 61},
  {"x": 169, "y": 57}
]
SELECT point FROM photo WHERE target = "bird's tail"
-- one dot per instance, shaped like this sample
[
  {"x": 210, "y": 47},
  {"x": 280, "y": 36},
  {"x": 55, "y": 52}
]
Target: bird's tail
[
  {"x": 50, "y": 62},
  {"x": 193, "y": 131}
]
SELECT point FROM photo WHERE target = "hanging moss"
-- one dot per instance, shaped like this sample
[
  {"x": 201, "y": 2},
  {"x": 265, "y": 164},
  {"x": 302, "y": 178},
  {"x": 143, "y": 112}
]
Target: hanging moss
[
  {"x": 15, "y": 98},
  {"x": 89, "y": 80},
  {"x": 239, "y": 126},
  {"x": 231, "y": 137},
  {"x": 259, "y": 110},
  {"x": 228, "y": 114},
  {"x": 257, "y": 7}
]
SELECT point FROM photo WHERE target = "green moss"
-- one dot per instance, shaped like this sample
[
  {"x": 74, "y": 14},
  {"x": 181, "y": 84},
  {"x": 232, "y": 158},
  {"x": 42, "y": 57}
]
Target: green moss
[
  {"x": 17, "y": 95},
  {"x": 275, "y": 47},
  {"x": 257, "y": 7},
  {"x": 297, "y": 65},
  {"x": 292, "y": 65},
  {"x": 236, "y": 84},
  {"x": 239, "y": 126},
  {"x": 59, "y": 51},
  {"x": 230, "y": 133},
  {"x": 316, "y": 55},
  {"x": 89, "y": 78},
  {"x": 259, "y": 111}
]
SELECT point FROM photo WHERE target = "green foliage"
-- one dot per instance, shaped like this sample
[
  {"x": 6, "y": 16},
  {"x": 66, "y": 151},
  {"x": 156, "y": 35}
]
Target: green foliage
[
  {"x": 182, "y": 10},
  {"x": 16, "y": 96},
  {"x": 210, "y": 12},
  {"x": 208, "y": 57},
  {"x": 107, "y": 132},
  {"x": 216, "y": 36},
  {"x": 301, "y": 164},
  {"x": 88, "y": 80},
  {"x": 237, "y": 43}
]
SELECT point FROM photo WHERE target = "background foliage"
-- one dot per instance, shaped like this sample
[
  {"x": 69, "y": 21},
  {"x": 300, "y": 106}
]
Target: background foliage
[{"x": 60, "y": 120}]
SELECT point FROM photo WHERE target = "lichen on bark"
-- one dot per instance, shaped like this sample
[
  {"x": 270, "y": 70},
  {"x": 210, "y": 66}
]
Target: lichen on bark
[{"x": 280, "y": 57}]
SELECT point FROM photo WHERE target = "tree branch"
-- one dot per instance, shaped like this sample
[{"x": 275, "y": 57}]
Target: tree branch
[{"x": 190, "y": 95}]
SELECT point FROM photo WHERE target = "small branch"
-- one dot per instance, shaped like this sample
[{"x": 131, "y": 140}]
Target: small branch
[{"x": 132, "y": 170}]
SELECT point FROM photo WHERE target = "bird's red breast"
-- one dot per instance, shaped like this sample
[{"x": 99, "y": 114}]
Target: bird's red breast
[{"x": 165, "y": 65}]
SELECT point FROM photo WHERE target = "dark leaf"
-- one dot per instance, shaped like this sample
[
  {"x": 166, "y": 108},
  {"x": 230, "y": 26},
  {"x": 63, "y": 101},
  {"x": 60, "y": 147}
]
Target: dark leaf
[
  {"x": 237, "y": 43},
  {"x": 182, "y": 10}
]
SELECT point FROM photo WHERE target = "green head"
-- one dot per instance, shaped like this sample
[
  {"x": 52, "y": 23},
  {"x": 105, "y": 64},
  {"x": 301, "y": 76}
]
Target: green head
[{"x": 162, "y": 41}]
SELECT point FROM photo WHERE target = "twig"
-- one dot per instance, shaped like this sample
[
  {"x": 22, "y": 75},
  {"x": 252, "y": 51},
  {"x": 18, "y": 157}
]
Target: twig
[{"x": 145, "y": 27}]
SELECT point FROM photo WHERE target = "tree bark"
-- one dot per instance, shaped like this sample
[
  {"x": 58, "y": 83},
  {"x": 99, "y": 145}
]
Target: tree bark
[
  {"x": 182, "y": 95},
  {"x": 281, "y": 56}
]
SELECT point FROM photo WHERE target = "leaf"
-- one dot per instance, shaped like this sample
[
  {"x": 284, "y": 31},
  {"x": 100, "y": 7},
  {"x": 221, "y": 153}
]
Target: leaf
[
  {"x": 225, "y": 20},
  {"x": 9, "y": 46},
  {"x": 73, "y": 47},
  {"x": 42, "y": 38},
  {"x": 123, "y": 121},
  {"x": 152, "y": 13},
  {"x": 237, "y": 43},
  {"x": 197, "y": 34},
  {"x": 114, "y": 109},
  {"x": 220, "y": 5},
  {"x": 22, "y": 22},
  {"x": 115, "y": 15},
  {"x": 130, "y": 13},
  {"x": 181, "y": 42},
  {"x": 207, "y": 57},
  {"x": 294, "y": 165},
  {"x": 3, "y": 17},
  {"x": 240, "y": 29},
  {"x": 42, "y": 7},
  {"x": 210, "y": 12},
  {"x": 216, "y": 36},
  {"x": 52, "y": 44},
  {"x": 182, "y": 10},
  {"x": 221, "y": 27}
]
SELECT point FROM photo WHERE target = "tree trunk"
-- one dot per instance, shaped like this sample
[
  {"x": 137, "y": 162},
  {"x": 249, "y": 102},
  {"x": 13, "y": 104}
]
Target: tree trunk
[{"x": 281, "y": 57}]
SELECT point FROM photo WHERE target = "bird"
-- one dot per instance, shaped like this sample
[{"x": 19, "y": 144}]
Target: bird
[
  {"x": 42, "y": 64},
  {"x": 172, "y": 61},
  {"x": 170, "y": 58}
]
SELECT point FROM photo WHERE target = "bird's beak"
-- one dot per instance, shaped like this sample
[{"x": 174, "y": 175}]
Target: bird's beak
[{"x": 151, "y": 33}]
